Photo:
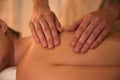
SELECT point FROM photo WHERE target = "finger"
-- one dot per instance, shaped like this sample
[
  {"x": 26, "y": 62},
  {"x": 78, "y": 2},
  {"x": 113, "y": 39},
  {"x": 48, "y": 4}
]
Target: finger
[
  {"x": 53, "y": 29},
  {"x": 78, "y": 47},
  {"x": 33, "y": 31},
  {"x": 40, "y": 34},
  {"x": 86, "y": 34},
  {"x": 79, "y": 31},
  {"x": 75, "y": 25},
  {"x": 58, "y": 25},
  {"x": 47, "y": 32},
  {"x": 101, "y": 37},
  {"x": 92, "y": 37}
]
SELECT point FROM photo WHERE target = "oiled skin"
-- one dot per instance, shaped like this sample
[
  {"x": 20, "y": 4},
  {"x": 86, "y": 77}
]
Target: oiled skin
[{"x": 62, "y": 63}]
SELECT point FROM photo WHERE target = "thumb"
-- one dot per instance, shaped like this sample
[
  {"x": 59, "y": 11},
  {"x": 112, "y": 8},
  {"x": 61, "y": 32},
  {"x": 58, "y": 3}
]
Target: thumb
[
  {"x": 59, "y": 28},
  {"x": 58, "y": 25},
  {"x": 74, "y": 26}
]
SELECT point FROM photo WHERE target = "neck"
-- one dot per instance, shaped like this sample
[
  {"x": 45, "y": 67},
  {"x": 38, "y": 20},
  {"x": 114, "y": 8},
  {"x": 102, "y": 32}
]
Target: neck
[{"x": 20, "y": 46}]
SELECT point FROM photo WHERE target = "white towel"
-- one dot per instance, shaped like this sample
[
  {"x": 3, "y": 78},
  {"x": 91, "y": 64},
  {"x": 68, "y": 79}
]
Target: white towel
[{"x": 8, "y": 74}]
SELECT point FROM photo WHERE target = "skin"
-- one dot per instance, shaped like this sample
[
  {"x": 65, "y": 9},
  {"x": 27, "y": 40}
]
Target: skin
[
  {"x": 11, "y": 49},
  {"x": 44, "y": 24},
  {"x": 35, "y": 63},
  {"x": 93, "y": 28},
  {"x": 62, "y": 64},
  {"x": 90, "y": 31},
  {"x": 6, "y": 47}
]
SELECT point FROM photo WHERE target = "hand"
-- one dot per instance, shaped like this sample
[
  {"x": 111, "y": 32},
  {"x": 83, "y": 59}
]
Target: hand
[
  {"x": 91, "y": 30},
  {"x": 45, "y": 28}
]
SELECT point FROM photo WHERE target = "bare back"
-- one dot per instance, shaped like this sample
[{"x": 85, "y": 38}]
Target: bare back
[{"x": 62, "y": 63}]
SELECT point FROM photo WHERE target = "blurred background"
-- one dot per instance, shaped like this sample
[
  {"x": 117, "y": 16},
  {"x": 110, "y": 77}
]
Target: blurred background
[{"x": 18, "y": 12}]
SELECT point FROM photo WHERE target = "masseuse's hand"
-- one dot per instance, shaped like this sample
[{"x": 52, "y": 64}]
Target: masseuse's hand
[
  {"x": 45, "y": 27},
  {"x": 91, "y": 30}
]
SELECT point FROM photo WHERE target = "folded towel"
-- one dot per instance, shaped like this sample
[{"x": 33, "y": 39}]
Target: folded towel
[{"x": 8, "y": 74}]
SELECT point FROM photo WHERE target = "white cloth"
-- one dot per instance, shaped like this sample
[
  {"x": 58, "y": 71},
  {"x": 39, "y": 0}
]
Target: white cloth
[
  {"x": 18, "y": 12},
  {"x": 70, "y": 10},
  {"x": 8, "y": 74}
]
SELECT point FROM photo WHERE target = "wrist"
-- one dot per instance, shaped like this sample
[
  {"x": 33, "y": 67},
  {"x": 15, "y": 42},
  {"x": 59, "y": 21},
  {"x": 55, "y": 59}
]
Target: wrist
[
  {"x": 40, "y": 5},
  {"x": 41, "y": 8},
  {"x": 113, "y": 11}
]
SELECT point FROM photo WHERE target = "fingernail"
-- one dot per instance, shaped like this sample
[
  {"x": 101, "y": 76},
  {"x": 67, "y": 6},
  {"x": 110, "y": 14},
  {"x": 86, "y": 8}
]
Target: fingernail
[
  {"x": 37, "y": 40},
  {"x": 73, "y": 44},
  {"x": 50, "y": 46},
  {"x": 83, "y": 50},
  {"x": 92, "y": 47},
  {"x": 44, "y": 44},
  {"x": 57, "y": 43},
  {"x": 76, "y": 50},
  {"x": 60, "y": 30}
]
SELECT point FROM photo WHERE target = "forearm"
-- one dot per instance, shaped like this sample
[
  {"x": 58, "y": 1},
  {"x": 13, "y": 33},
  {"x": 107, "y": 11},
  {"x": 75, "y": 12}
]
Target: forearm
[
  {"x": 114, "y": 10},
  {"x": 39, "y": 4}
]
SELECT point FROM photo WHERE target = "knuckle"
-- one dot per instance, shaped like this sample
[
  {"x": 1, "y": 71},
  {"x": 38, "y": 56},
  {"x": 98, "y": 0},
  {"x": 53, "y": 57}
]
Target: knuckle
[
  {"x": 53, "y": 28},
  {"x": 96, "y": 42},
  {"x": 102, "y": 36},
  {"x": 89, "y": 41},
  {"x": 86, "y": 33},
  {"x": 102, "y": 25},
  {"x": 87, "y": 44},
  {"x": 49, "y": 15},
  {"x": 97, "y": 18},
  {"x": 40, "y": 17},
  {"x": 42, "y": 38},
  {"x": 104, "y": 22},
  {"x": 93, "y": 24},
  {"x": 37, "y": 19},
  {"x": 94, "y": 34},
  {"x": 76, "y": 38},
  {"x": 90, "y": 14},
  {"x": 38, "y": 28},
  {"x": 80, "y": 42},
  {"x": 55, "y": 37},
  {"x": 50, "y": 40},
  {"x": 81, "y": 28},
  {"x": 99, "y": 40},
  {"x": 45, "y": 29}
]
